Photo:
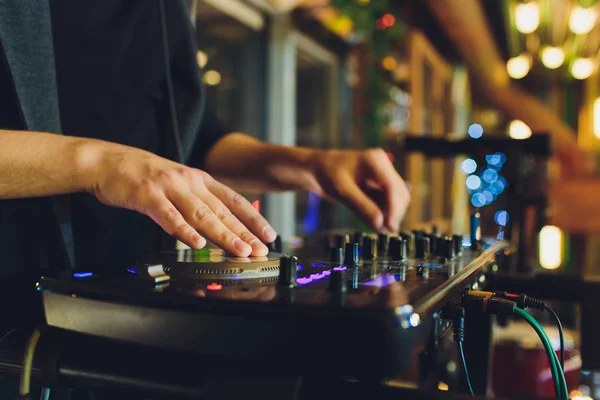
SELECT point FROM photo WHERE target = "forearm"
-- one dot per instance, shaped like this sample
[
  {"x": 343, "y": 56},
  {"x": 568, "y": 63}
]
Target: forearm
[
  {"x": 34, "y": 164},
  {"x": 250, "y": 165}
]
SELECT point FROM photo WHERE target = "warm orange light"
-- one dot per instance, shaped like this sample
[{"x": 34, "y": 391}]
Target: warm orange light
[{"x": 389, "y": 63}]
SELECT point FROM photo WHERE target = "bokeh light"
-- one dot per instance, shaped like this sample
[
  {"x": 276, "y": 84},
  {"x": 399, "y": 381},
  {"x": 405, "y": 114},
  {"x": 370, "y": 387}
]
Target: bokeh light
[
  {"x": 490, "y": 175},
  {"x": 468, "y": 166},
  {"x": 473, "y": 182},
  {"x": 475, "y": 131},
  {"x": 478, "y": 200},
  {"x": 501, "y": 217}
]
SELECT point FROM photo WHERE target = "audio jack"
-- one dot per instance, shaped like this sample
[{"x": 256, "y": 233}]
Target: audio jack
[
  {"x": 523, "y": 301},
  {"x": 457, "y": 315}
]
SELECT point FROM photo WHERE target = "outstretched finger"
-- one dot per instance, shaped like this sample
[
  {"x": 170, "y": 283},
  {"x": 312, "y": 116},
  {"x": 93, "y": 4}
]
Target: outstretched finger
[{"x": 166, "y": 215}]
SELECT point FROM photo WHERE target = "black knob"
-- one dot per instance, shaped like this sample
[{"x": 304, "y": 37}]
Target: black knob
[
  {"x": 340, "y": 240},
  {"x": 288, "y": 271},
  {"x": 440, "y": 243},
  {"x": 422, "y": 247},
  {"x": 327, "y": 243},
  {"x": 382, "y": 243},
  {"x": 418, "y": 233},
  {"x": 351, "y": 254},
  {"x": 369, "y": 248},
  {"x": 357, "y": 237},
  {"x": 458, "y": 247},
  {"x": 275, "y": 246},
  {"x": 337, "y": 255},
  {"x": 409, "y": 237},
  {"x": 448, "y": 245},
  {"x": 338, "y": 281},
  {"x": 435, "y": 230},
  {"x": 398, "y": 248}
]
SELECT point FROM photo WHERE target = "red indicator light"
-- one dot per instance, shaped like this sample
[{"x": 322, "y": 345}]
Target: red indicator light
[
  {"x": 256, "y": 205},
  {"x": 214, "y": 286},
  {"x": 512, "y": 295},
  {"x": 388, "y": 20}
]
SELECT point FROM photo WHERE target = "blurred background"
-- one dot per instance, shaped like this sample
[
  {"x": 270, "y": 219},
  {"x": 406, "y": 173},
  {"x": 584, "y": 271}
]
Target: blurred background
[{"x": 489, "y": 76}]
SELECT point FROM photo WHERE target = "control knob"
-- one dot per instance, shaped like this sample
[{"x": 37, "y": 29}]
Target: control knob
[
  {"x": 338, "y": 281},
  {"x": 422, "y": 247},
  {"x": 288, "y": 271},
  {"x": 337, "y": 255},
  {"x": 351, "y": 256},
  {"x": 369, "y": 248},
  {"x": 398, "y": 248}
]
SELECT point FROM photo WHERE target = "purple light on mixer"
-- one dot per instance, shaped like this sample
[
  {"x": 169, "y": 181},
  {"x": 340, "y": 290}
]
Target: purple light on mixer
[
  {"x": 327, "y": 273},
  {"x": 304, "y": 281},
  {"x": 317, "y": 276},
  {"x": 132, "y": 271},
  {"x": 340, "y": 268}
]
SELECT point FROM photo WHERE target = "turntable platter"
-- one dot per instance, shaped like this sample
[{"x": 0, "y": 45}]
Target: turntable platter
[{"x": 215, "y": 264}]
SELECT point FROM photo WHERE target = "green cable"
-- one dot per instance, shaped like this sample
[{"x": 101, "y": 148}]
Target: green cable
[{"x": 558, "y": 378}]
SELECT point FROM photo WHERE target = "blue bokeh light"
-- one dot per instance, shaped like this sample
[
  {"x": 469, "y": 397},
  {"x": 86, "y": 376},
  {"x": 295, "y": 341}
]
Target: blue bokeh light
[
  {"x": 489, "y": 197},
  {"x": 478, "y": 200},
  {"x": 490, "y": 175},
  {"x": 468, "y": 166},
  {"x": 475, "y": 131},
  {"x": 501, "y": 217},
  {"x": 473, "y": 182}
]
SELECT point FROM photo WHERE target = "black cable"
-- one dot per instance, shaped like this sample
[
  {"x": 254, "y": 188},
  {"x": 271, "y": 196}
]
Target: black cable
[
  {"x": 167, "y": 61},
  {"x": 561, "y": 336},
  {"x": 464, "y": 363}
]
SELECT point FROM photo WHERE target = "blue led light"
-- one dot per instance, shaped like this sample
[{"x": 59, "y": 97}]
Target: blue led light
[
  {"x": 132, "y": 271},
  {"x": 319, "y": 265},
  {"x": 489, "y": 197},
  {"x": 478, "y": 200},
  {"x": 475, "y": 131},
  {"x": 490, "y": 175},
  {"x": 501, "y": 217},
  {"x": 496, "y": 187},
  {"x": 468, "y": 166},
  {"x": 432, "y": 266},
  {"x": 82, "y": 274},
  {"x": 300, "y": 267},
  {"x": 473, "y": 182}
]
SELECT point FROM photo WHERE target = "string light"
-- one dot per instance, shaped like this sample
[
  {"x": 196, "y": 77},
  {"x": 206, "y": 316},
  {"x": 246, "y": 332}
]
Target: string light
[
  {"x": 527, "y": 17},
  {"x": 202, "y": 59},
  {"x": 388, "y": 20},
  {"x": 553, "y": 57},
  {"x": 582, "y": 68},
  {"x": 518, "y": 67},
  {"x": 519, "y": 130},
  {"x": 582, "y": 20},
  {"x": 212, "y": 78},
  {"x": 389, "y": 63}
]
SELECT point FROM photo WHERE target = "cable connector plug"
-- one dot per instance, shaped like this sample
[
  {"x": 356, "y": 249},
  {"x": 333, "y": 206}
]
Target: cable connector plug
[
  {"x": 489, "y": 305},
  {"x": 521, "y": 300},
  {"x": 457, "y": 315}
]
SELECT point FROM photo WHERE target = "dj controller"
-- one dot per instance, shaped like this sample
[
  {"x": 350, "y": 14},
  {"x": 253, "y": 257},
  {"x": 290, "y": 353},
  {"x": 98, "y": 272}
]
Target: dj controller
[{"x": 352, "y": 304}]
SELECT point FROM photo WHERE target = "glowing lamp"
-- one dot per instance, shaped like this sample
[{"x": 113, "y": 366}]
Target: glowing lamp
[
  {"x": 550, "y": 247},
  {"x": 527, "y": 17},
  {"x": 582, "y": 68},
  {"x": 553, "y": 57},
  {"x": 519, "y": 130},
  {"x": 518, "y": 67},
  {"x": 202, "y": 59},
  {"x": 582, "y": 20}
]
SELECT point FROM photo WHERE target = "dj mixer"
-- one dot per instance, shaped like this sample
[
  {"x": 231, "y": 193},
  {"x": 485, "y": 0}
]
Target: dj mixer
[{"x": 352, "y": 304}]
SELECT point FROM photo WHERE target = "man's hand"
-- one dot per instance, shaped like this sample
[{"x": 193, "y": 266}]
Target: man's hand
[
  {"x": 185, "y": 202},
  {"x": 366, "y": 181}
]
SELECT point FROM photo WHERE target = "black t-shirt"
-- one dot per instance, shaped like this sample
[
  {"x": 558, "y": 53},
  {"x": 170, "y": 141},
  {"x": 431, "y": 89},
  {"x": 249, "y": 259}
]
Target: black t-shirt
[{"x": 112, "y": 86}]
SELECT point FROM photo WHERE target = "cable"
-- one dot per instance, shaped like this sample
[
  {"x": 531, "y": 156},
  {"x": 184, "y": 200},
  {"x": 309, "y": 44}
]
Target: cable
[
  {"x": 167, "y": 61},
  {"x": 26, "y": 370},
  {"x": 558, "y": 377},
  {"x": 560, "y": 335},
  {"x": 457, "y": 314},
  {"x": 464, "y": 363}
]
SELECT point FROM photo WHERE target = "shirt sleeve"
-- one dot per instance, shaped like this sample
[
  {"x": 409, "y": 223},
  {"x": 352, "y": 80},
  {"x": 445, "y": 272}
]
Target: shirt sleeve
[{"x": 211, "y": 131}]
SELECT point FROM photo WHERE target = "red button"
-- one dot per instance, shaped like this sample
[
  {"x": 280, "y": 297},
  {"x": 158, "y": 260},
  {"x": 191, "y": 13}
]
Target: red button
[{"x": 214, "y": 286}]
